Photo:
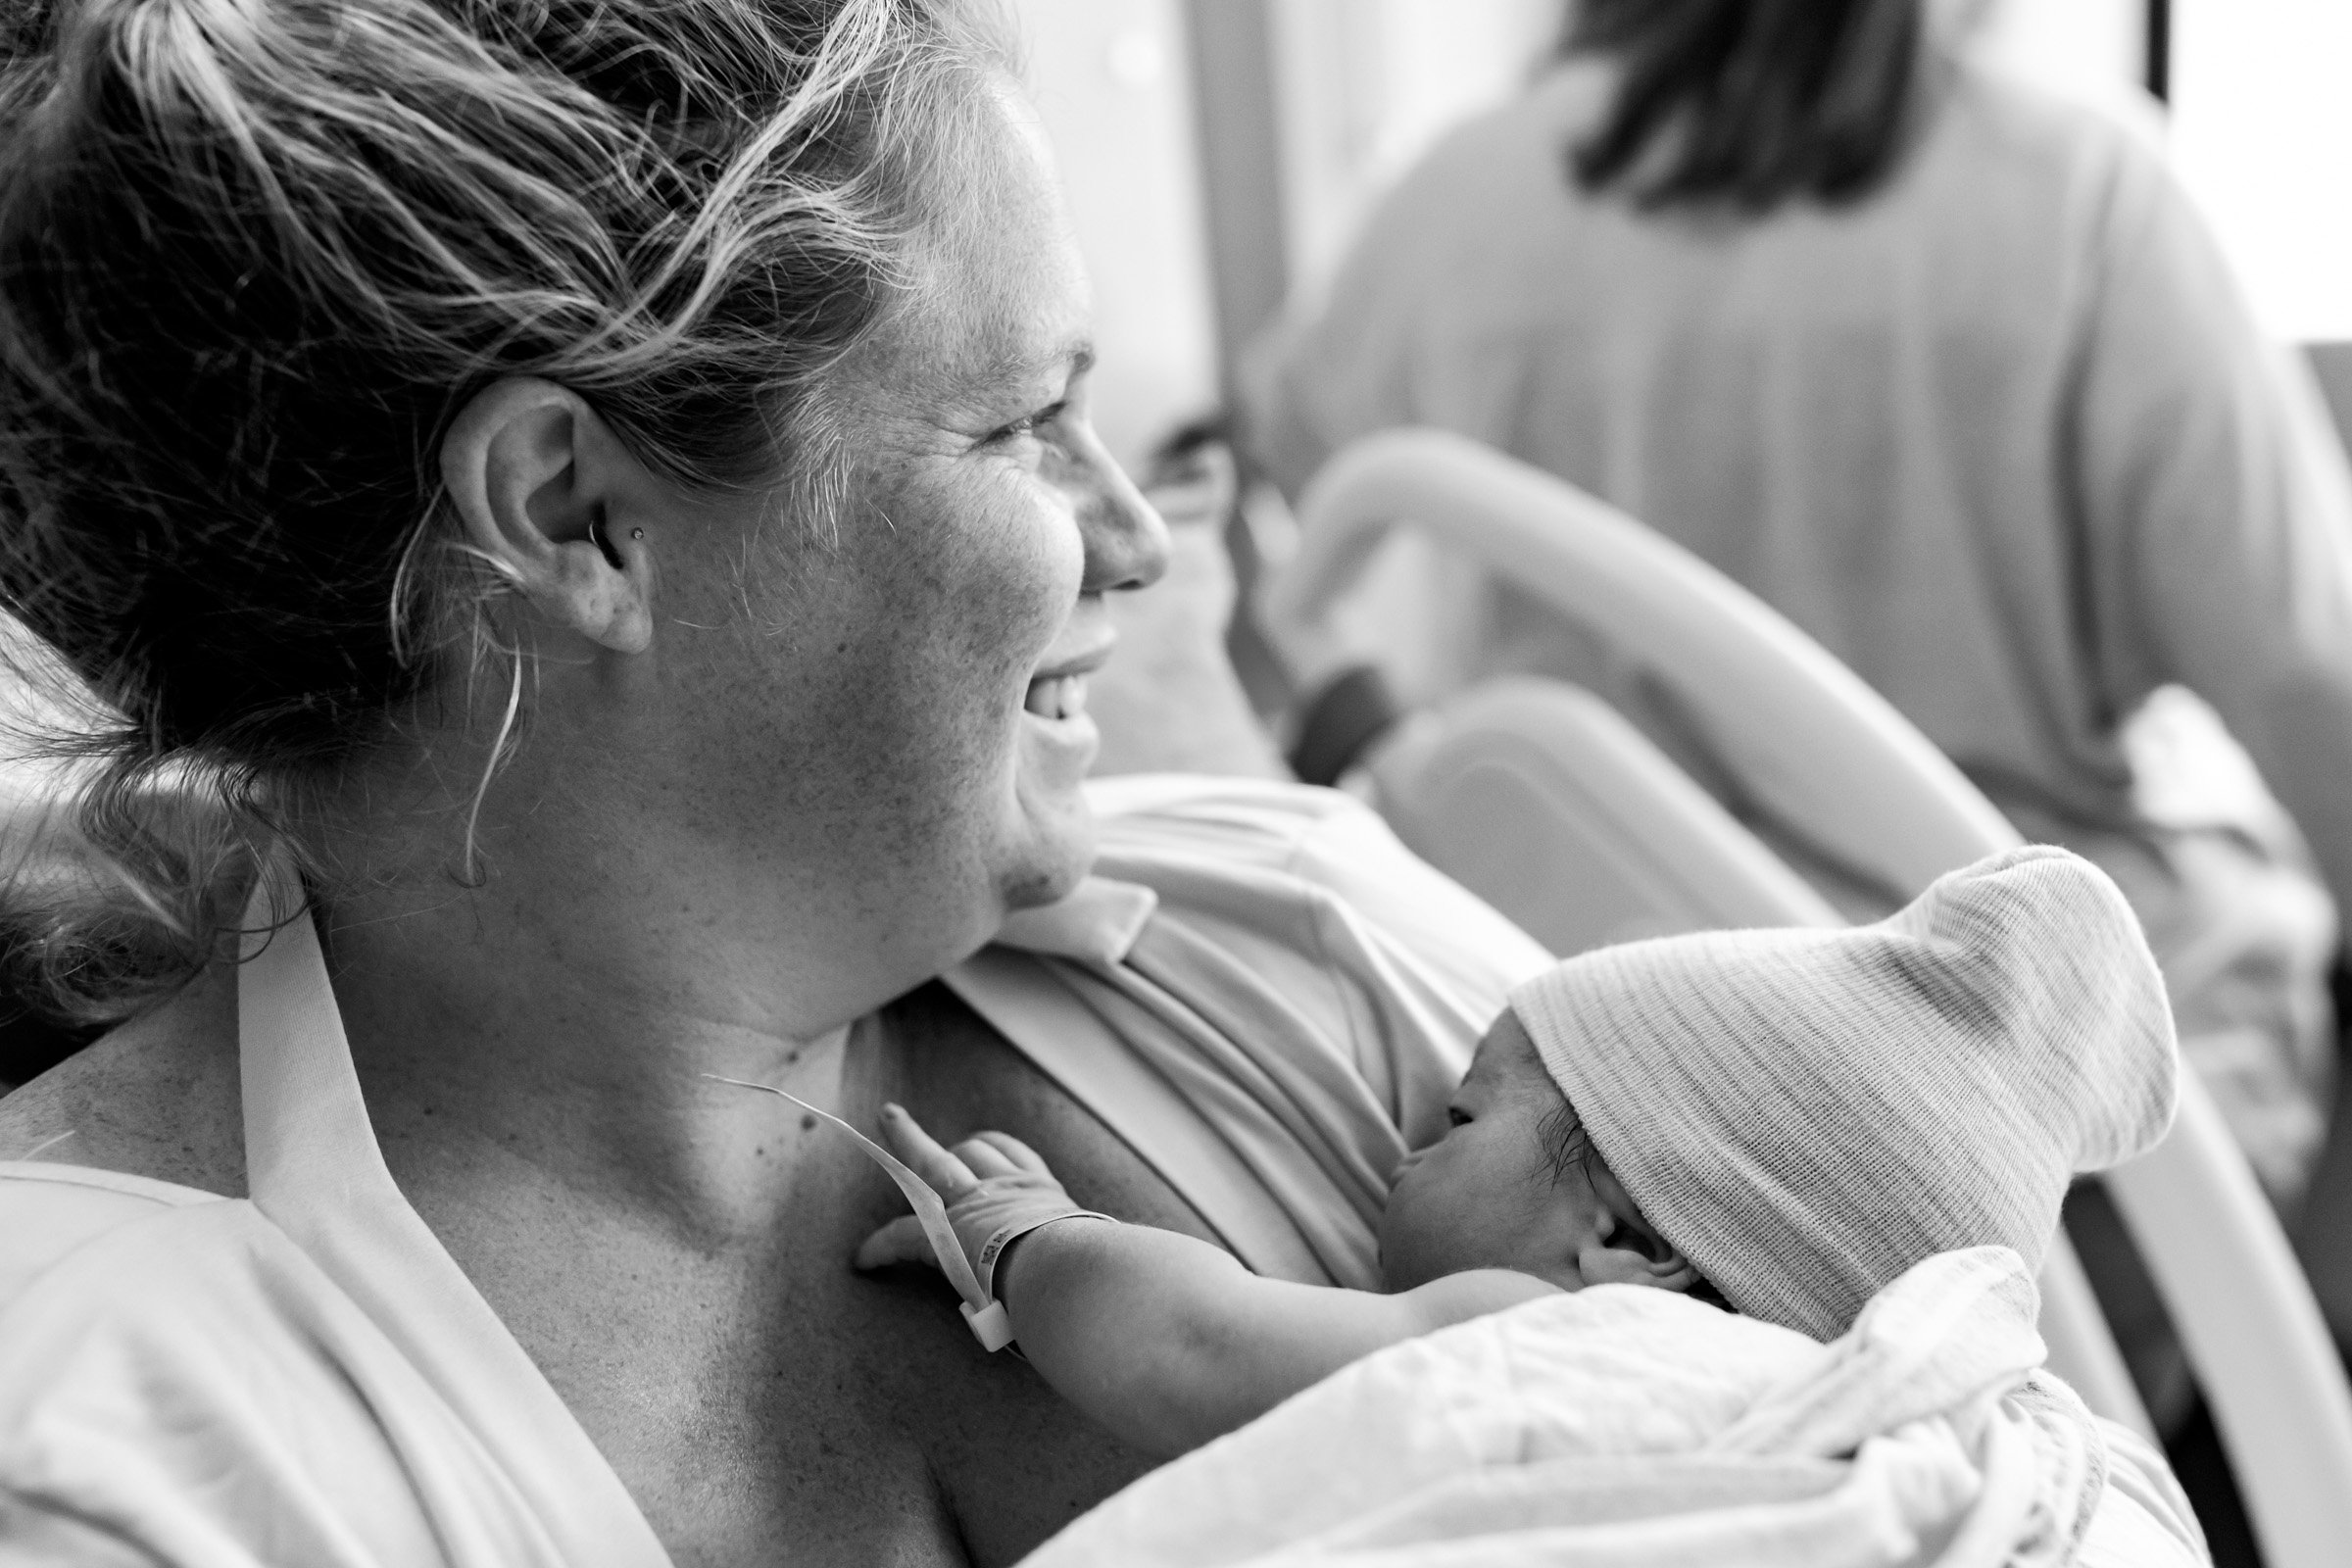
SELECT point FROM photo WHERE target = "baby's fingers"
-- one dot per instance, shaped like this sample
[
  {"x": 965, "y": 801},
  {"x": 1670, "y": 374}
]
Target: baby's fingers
[
  {"x": 1016, "y": 1154},
  {"x": 902, "y": 1241},
  {"x": 946, "y": 1175},
  {"x": 984, "y": 1155}
]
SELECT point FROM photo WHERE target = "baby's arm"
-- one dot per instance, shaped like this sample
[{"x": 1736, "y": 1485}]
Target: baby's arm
[
  {"x": 1166, "y": 1341},
  {"x": 1169, "y": 1341}
]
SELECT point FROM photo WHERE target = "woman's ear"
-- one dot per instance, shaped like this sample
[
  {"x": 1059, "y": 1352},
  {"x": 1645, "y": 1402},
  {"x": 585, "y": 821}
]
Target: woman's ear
[{"x": 545, "y": 492}]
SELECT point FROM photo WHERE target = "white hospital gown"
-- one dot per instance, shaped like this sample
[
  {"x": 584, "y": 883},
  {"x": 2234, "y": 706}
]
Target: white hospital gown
[{"x": 300, "y": 1376}]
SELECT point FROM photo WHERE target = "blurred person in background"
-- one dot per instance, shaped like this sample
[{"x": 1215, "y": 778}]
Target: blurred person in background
[{"x": 1951, "y": 374}]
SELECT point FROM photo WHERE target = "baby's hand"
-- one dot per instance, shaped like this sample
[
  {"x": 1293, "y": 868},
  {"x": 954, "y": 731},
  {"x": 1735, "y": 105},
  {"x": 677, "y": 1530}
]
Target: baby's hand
[{"x": 996, "y": 1187}]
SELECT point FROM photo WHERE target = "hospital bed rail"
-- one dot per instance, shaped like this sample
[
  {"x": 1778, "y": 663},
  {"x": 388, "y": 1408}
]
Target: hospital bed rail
[{"x": 1815, "y": 749}]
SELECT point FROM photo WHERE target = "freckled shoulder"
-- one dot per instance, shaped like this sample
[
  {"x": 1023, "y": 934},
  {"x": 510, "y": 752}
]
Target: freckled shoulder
[
  {"x": 157, "y": 1098},
  {"x": 959, "y": 1075}
]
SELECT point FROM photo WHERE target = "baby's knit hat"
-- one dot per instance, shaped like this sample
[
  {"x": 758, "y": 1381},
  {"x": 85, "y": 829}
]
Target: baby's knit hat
[{"x": 1807, "y": 1114}]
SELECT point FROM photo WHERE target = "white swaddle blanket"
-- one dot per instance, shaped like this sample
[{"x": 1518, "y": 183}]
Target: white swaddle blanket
[{"x": 1637, "y": 1428}]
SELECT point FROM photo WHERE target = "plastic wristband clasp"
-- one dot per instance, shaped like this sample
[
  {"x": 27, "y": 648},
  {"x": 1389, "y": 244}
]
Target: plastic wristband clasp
[{"x": 991, "y": 1325}]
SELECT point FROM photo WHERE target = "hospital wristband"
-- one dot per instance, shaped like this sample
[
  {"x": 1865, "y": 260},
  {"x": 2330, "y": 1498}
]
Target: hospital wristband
[{"x": 990, "y": 1324}]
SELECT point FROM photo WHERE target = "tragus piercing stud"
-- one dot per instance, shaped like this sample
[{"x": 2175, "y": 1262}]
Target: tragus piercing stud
[{"x": 636, "y": 534}]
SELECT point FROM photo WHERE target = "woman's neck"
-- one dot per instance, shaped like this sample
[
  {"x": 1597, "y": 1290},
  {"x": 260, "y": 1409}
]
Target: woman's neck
[
  {"x": 543, "y": 978},
  {"x": 555, "y": 1024}
]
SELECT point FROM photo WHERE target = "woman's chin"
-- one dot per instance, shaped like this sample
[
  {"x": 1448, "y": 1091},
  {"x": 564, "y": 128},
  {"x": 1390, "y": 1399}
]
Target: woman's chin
[
  {"x": 1034, "y": 889},
  {"x": 1054, "y": 835}
]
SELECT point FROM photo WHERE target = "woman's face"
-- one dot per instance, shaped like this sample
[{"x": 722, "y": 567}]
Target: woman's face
[{"x": 908, "y": 737}]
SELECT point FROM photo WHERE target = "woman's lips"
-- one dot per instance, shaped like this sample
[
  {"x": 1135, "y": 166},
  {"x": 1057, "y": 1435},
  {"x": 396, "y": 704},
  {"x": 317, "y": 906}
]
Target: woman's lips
[
  {"x": 1057, "y": 696},
  {"x": 1057, "y": 690}
]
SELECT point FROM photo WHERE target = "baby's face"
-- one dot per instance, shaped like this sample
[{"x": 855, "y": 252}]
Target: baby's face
[{"x": 1486, "y": 1196}]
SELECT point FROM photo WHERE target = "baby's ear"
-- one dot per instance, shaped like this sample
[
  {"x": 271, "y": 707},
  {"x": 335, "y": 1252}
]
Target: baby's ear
[
  {"x": 1602, "y": 1264},
  {"x": 1626, "y": 1249}
]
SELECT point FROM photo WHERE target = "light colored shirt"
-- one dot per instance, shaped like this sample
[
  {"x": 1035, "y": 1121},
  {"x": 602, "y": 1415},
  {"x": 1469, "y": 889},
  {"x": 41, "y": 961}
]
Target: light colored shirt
[
  {"x": 300, "y": 1376},
  {"x": 1267, "y": 996}
]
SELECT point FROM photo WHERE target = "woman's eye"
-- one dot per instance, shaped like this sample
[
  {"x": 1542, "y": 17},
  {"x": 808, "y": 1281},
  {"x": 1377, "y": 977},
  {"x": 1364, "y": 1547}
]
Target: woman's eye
[
  {"x": 1457, "y": 1118},
  {"x": 1029, "y": 423}
]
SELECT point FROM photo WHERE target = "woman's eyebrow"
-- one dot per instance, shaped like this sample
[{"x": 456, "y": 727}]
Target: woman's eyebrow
[{"x": 1073, "y": 358}]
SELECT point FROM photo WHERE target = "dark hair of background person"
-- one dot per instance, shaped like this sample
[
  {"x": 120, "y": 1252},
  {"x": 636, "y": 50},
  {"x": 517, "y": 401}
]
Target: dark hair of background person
[
  {"x": 1749, "y": 104},
  {"x": 255, "y": 255}
]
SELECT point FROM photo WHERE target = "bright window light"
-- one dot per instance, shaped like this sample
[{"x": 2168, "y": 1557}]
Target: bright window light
[{"x": 2262, "y": 131}]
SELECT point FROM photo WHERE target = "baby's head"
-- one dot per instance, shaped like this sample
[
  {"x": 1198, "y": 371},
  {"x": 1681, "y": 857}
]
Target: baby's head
[
  {"x": 1797, "y": 1117},
  {"x": 1516, "y": 1183}
]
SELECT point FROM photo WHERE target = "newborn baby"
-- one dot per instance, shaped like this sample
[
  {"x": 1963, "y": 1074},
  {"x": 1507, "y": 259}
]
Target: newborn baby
[{"x": 1781, "y": 1121}]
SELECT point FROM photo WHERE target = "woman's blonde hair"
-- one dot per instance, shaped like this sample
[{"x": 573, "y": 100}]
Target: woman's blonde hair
[{"x": 253, "y": 257}]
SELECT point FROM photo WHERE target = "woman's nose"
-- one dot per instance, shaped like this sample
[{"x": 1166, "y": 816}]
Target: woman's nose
[{"x": 1126, "y": 542}]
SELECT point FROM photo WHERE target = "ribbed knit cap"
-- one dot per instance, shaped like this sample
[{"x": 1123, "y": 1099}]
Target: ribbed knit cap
[{"x": 1807, "y": 1114}]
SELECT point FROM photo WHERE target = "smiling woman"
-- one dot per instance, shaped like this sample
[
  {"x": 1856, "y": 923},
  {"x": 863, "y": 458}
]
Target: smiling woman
[
  {"x": 734, "y": 390},
  {"x": 584, "y": 519}
]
